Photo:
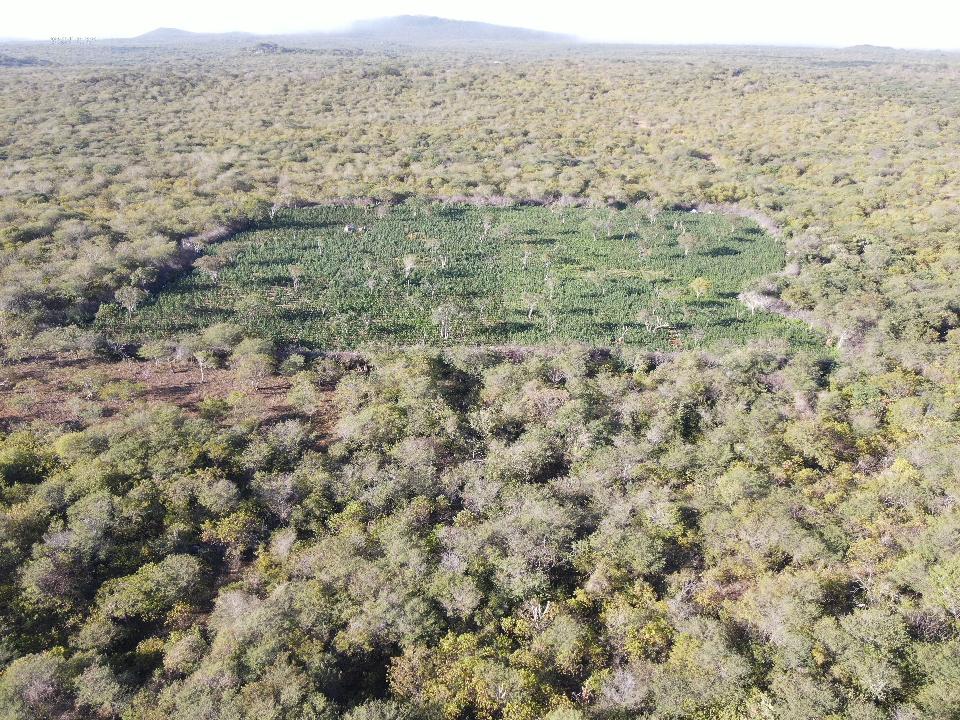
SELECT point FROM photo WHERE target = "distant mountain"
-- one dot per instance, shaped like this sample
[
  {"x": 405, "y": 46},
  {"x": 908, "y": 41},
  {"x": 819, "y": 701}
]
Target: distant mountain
[
  {"x": 869, "y": 48},
  {"x": 408, "y": 29},
  {"x": 11, "y": 61},
  {"x": 428, "y": 29},
  {"x": 175, "y": 35}
]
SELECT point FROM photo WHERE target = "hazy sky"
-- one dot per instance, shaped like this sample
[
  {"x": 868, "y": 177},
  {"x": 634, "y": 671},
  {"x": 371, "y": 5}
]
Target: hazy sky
[{"x": 915, "y": 24}]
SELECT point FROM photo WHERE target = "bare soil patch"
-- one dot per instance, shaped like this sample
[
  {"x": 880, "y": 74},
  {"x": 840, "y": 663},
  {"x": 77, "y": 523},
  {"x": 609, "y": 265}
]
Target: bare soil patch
[{"x": 71, "y": 392}]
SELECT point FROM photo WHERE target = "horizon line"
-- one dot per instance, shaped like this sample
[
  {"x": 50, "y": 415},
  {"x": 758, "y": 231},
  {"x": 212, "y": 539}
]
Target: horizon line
[{"x": 562, "y": 38}]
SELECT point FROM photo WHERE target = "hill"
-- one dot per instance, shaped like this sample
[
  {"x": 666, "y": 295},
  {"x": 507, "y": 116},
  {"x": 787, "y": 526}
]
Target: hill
[
  {"x": 176, "y": 35},
  {"x": 409, "y": 29},
  {"x": 12, "y": 61},
  {"x": 423, "y": 28}
]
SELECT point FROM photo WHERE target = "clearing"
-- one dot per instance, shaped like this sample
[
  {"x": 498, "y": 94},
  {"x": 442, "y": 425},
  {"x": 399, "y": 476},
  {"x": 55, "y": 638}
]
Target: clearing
[{"x": 452, "y": 274}]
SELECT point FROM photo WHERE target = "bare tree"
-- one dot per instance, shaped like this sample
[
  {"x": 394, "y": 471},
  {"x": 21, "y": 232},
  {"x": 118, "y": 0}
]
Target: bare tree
[
  {"x": 283, "y": 197},
  {"x": 651, "y": 320},
  {"x": 444, "y": 317},
  {"x": 687, "y": 241},
  {"x": 204, "y": 360},
  {"x": 552, "y": 321},
  {"x": 560, "y": 208},
  {"x": 525, "y": 259},
  {"x": 486, "y": 228},
  {"x": 296, "y": 274},
  {"x": 530, "y": 302},
  {"x": 434, "y": 245},
  {"x": 210, "y": 265},
  {"x": 409, "y": 264},
  {"x": 755, "y": 301},
  {"x": 550, "y": 284},
  {"x": 131, "y": 298}
]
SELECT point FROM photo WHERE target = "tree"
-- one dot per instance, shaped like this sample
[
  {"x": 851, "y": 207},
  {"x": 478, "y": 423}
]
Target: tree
[
  {"x": 131, "y": 297},
  {"x": 210, "y": 265},
  {"x": 144, "y": 276},
  {"x": 157, "y": 350},
  {"x": 36, "y": 686},
  {"x": 701, "y": 286},
  {"x": 409, "y": 264},
  {"x": 253, "y": 360},
  {"x": 444, "y": 317},
  {"x": 687, "y": 241},
  {"x": 296, "y": 274},
  {"x": 153, "y": 590}
]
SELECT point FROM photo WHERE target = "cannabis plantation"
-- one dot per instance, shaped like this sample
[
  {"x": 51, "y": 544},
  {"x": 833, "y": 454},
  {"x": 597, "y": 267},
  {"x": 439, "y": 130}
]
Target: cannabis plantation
[{"x": 342, "y": 277}]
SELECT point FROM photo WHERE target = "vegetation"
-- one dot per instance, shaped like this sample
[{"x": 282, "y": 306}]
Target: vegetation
[
  {"x": 849, "y": 151},
  {"x": 632, "y": 528},
  {"x": 343, "y": 277},
  {"x": 564, "y": 536}
]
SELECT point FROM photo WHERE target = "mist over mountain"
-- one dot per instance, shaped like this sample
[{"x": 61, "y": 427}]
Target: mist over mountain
[
  {"x": 176, "y": 35},
  {"x": 436, "y": 29},
  {"x": 416, "y": 29}
]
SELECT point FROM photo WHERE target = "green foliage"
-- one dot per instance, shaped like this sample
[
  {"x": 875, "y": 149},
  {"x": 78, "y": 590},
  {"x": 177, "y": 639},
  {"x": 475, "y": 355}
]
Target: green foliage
[
  {"x": 411, "y": 277},
  {"x": 563, "y": 533},
  {"x": 497, "y": 535},
  {"x": 848, "y": 151},
  {"x": 153, "y": 590},
  {"x": 24, "y": 458}
]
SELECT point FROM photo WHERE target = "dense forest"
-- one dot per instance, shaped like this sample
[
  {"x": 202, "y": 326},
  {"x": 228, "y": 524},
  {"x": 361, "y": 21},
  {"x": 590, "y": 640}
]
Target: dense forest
[{"x": 209, "y": 522}]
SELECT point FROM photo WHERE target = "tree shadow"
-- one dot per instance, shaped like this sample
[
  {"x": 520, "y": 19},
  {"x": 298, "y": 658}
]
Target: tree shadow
[
  {"x": 285, "y": 222},
  {"x": 541, "y": 241},
  {"x": 453, "y": 213},
  {"x": 722, "y": 251},
  {"x": 510, "y": 327}
]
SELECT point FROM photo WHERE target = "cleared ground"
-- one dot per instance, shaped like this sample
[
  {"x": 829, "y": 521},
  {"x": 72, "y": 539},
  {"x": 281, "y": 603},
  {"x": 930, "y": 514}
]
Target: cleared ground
[{"x": 421, "y": 273}]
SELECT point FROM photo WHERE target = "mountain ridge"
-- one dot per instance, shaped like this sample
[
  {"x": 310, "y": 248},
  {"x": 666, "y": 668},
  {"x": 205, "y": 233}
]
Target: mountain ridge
[
  {"x": 172, "y": 35},
  {"x": 396, "y": 28},
  {"x": 438, "y": 29}
]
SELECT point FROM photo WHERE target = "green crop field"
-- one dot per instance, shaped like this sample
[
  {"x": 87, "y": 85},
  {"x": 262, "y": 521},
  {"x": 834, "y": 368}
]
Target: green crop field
[{"x": 420, "y": 273}]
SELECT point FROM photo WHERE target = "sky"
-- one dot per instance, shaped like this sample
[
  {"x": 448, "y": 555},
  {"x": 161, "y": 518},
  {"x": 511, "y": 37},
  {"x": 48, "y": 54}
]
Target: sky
[{"x": 932, "y": 24}]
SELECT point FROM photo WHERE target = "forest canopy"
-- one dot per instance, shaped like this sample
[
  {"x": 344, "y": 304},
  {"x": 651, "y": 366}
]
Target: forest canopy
[
  {"x": 555, "y": 535},
  {"x": 113, "y": 156},
  {"x": 220, "y": 499}
]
